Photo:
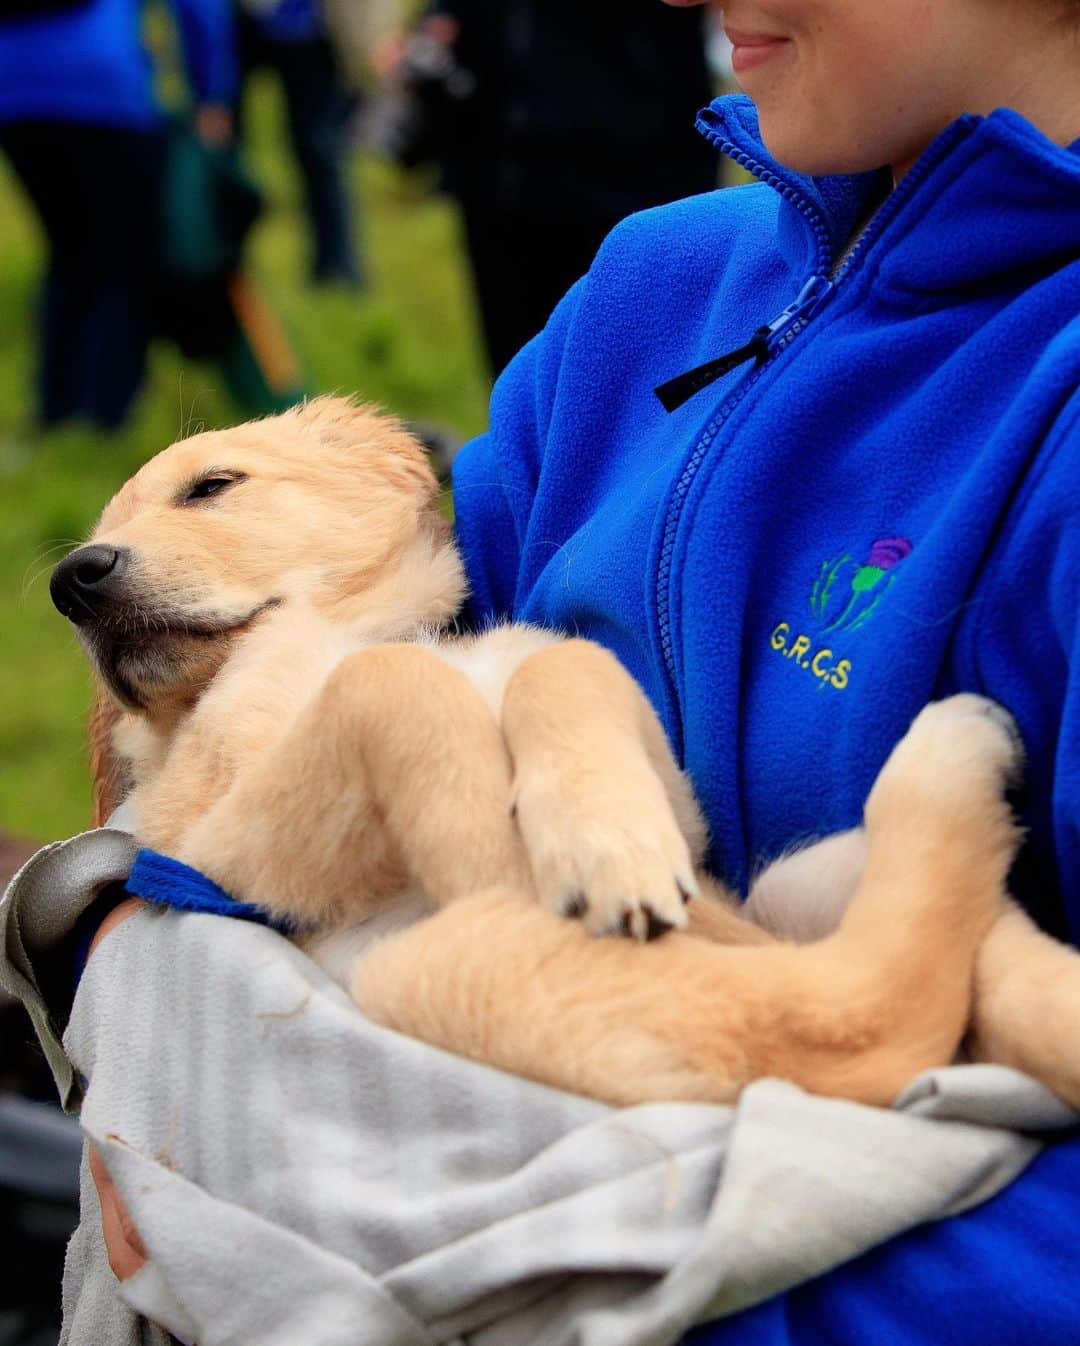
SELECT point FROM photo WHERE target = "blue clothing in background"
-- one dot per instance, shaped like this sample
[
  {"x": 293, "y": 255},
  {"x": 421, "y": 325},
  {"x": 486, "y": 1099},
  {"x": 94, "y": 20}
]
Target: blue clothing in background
[
  {"x": 290, "y": 20},
  {"x": 882, "y": 512},
  {"x": 89, "y": 65}
]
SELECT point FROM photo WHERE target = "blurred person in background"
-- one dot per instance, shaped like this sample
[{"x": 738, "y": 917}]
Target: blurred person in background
[
  {"x": 559, "y": 120},
  {"x": 293, "y": 38},
  {"x": 82, "y": 129}
]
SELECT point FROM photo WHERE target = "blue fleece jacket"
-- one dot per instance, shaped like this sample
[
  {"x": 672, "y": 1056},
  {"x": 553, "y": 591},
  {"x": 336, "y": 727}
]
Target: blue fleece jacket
[
  {"x": 89, "y": 65},
  {"x": 881, "y": 510}
]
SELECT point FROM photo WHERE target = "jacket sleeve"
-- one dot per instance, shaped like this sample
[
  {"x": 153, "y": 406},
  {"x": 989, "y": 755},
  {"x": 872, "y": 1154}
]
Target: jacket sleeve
[
  {"x": 208, "y": 37},
  {"x": 997, "y": 1275},
  {"x": 496, "y": 475}
]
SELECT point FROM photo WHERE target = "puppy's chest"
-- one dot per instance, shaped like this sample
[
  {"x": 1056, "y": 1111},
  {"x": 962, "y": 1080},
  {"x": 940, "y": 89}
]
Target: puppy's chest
[
  {"x": 251, "y": 706},
  {"x": 489, "y": 660}
]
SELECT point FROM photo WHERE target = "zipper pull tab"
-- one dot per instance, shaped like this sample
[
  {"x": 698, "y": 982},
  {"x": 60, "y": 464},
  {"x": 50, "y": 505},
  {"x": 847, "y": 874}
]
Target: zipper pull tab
[
  {"x": 795, "y": 315},
  {"x": 761, "y": 345},
  {"x": 682, "y": 387}
]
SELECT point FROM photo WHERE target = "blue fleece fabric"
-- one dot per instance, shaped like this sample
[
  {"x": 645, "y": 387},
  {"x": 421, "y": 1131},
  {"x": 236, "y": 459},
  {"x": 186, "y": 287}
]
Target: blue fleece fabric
[
  {"x": 89, "y": 65},
  {"x": 170, "y": 883},
  {"x": 882, "y": 512}
]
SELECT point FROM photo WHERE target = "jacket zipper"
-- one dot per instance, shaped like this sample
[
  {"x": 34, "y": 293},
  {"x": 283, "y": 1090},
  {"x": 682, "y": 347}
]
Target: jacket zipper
[
  {"x": 776, "y": 335},
  {"x": 937, "y": 150},
  {"x": 765, "y": 342},
  {"x": 770, "y": 339}
]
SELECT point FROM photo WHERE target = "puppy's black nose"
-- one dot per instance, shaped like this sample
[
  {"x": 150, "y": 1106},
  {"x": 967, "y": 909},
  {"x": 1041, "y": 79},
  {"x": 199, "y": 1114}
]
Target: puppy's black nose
[{"x": 86, "y": 582}]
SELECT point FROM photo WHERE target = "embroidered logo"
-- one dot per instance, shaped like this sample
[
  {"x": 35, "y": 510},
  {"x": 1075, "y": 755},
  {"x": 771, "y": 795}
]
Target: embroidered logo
[
  {"x": 856, "y": 602},
  {"x": 844, "y": 597}
]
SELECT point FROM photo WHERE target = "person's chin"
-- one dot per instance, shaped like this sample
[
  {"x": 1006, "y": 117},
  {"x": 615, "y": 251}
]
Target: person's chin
[
  {"x": 792, "y": 140},
  {"x": 785, "y": 136}
]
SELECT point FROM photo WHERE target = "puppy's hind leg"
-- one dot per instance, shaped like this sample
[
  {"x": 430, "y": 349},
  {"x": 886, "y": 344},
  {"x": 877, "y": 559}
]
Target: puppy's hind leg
[
  {"x": 940, "y": 840},
  {"x": 1026, "y": 1010}
]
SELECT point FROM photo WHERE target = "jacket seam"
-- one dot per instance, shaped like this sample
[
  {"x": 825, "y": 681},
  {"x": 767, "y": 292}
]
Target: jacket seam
[{"x": 991, "y": 569}]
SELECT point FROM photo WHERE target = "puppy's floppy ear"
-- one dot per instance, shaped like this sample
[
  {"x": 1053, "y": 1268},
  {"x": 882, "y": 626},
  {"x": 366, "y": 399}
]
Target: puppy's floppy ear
[
  {"x": 106, "y": 775},
  {"x": 331, "y": 414},
  {"x": 348, "y": 427}
]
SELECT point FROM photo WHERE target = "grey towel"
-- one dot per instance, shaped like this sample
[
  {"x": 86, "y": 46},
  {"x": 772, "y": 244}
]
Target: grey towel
[{"x": 301, "y": 1176}]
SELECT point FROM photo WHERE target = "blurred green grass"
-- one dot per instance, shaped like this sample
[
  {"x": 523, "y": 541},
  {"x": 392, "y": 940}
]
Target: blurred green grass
[{"x": 409, "y": 342}]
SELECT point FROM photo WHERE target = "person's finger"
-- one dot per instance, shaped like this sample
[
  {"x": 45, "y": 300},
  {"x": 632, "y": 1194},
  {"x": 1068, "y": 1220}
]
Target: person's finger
[{"x": 126, "y": 1250}]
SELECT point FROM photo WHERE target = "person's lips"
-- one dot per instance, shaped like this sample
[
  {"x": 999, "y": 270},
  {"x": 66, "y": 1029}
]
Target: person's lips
[{"x": 753, "y": 49}]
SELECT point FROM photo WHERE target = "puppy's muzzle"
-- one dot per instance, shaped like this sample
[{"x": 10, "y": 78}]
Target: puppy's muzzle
[{"x": 89, "y": 583}]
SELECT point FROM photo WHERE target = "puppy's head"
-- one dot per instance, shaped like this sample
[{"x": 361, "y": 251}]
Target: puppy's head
[{"x": 217, "y": 530}]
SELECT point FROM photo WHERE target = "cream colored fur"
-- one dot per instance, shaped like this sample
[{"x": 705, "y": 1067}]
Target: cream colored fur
[{"x": 293, "y": 720}]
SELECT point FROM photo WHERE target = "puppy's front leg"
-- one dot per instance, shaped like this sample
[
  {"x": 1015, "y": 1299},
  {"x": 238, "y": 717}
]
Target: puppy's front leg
[
  {"x": 394, "y": 777},
  {"x": 608, "y": 821}
]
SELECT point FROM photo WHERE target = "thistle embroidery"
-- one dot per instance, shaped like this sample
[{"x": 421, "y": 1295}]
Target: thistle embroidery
[{"x": 866, "y": 586}]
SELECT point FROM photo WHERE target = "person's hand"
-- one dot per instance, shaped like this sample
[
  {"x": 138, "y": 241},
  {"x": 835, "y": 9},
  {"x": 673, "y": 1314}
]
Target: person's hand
[
  {"x": 214, "y": 124},
  {"x": 387, "y": 56},
  {"x": 125, "y": 1248}
]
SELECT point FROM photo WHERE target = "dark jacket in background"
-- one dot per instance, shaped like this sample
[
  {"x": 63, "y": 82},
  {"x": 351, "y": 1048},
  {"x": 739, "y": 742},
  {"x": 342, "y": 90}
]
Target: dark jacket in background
[
  {"x": 580, "y": 114},
  {"x": 581, "y": 109},
  {"x": 291, "y": 38}
]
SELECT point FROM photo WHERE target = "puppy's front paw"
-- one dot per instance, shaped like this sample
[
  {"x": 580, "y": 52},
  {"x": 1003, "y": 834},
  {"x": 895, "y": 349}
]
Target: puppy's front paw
[{"x": 617, "y": 861}]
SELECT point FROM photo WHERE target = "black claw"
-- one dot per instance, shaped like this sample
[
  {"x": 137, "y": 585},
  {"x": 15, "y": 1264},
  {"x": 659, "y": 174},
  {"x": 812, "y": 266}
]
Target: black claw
[
  {"x": 684, "y": 892},
  {"x": 655, "y": 925},
  {"x": 625, "y": 920},
  {"x": 575, "y": 905}
]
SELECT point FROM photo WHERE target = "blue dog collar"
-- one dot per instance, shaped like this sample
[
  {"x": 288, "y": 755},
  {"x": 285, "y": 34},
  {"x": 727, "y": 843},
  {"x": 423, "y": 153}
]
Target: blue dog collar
[{"x": 160, "y": 879}]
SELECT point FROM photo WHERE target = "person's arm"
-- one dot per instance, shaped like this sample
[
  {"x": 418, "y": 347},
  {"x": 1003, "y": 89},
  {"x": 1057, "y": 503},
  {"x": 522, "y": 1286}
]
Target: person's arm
[
  {"x": 208, "y": 37},
  {"x": 123, "y": 1243},
  {"x": 998, "y": 1275},
  {"x": 495, "y": 476}
]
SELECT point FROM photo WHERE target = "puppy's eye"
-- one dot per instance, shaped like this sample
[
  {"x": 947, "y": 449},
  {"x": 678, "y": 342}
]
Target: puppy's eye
[{"x": 209, "y": 487}]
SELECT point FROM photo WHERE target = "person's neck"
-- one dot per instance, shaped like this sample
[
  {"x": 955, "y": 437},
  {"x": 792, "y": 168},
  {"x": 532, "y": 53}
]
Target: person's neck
[{"x": 1040, "y": 80}]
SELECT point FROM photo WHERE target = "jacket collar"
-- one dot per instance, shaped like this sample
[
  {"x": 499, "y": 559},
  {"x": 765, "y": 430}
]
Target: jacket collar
[{"x": 989, "y": 201}]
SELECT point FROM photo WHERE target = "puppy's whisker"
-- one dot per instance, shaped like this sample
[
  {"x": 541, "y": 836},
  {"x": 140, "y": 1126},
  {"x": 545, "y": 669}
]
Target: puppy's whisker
[
  {"x": 30, "y": 580},
  {"x": 187, "y": 426},
  {"x": 47, "y": 550},
  {"x": 53, "y": 545}
]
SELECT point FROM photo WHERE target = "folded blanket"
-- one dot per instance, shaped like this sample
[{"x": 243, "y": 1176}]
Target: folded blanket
[{"x": 300, "y": 1175}]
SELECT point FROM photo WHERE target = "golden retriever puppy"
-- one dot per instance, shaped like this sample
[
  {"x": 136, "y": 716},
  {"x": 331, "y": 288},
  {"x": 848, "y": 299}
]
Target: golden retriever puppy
[{"x": 266, "y": 609}]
